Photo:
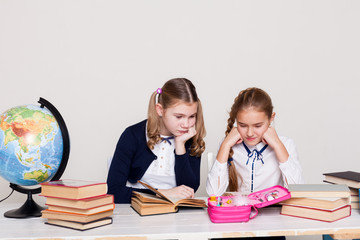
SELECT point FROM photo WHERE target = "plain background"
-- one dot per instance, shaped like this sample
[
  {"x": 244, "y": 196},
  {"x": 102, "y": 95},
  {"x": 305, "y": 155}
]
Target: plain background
[{"x": 99, "y": 61}]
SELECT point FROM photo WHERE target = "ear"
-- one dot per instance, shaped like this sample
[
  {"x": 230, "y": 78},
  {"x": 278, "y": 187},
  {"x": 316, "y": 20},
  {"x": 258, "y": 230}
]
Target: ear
[
  {"x": 159, "y": 109},
  {"x": 235, "y": 123},
  {"x": 272, "y": 117}
]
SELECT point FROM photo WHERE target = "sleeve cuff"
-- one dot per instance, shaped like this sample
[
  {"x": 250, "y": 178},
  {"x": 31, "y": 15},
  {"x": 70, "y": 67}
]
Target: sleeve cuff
[{"x": 219, "y": 168}]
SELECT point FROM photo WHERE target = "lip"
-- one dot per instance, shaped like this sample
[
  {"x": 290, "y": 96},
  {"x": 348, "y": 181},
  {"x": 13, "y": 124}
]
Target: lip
[
  {"x": 250, "y": 139},
  {"x": 183, "y": 131}
]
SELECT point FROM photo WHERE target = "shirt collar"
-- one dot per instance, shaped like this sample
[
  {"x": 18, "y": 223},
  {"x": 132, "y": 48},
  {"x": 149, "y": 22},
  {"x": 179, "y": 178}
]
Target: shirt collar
[{"x": 258, "y": 146}]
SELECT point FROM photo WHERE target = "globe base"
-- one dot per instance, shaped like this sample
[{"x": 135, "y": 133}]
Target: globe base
[{"x": 29, "y": 209}]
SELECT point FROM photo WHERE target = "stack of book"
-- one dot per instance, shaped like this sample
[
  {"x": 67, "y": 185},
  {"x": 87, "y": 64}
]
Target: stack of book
[
  {"x": 349, "y": 178},
  {"x": 322, "y": 202},
  {"x": 77, "y": 204}
]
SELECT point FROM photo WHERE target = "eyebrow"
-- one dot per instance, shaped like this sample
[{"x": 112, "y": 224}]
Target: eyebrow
[
  {"x": 181, "y": 114},
  {"x": 251, "y": 124}
]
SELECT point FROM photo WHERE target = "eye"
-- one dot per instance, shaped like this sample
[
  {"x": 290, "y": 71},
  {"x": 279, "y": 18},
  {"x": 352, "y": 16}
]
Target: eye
[
  {"x": 258, "y": 125},
  {"x": 242, "y": 125},
  {"x": 178, "y": 117}
]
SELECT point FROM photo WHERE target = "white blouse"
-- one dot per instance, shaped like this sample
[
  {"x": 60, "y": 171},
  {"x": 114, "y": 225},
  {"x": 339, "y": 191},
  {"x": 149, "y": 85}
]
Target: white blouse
[
  {"x": 161, "y": 172},
  {"x": 256, "y": 174}
]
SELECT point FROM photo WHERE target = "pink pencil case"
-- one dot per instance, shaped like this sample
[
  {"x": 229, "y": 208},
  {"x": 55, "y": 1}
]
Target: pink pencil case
[{"x": 223, "y": 209}]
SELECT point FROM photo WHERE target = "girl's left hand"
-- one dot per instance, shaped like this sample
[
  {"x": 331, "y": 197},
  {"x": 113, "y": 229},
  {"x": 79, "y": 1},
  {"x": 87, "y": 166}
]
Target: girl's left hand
[
  {"x": 181, "y": 139},
  {"x": 186, "y": 136},
  {"x": 271, "y": 138}
]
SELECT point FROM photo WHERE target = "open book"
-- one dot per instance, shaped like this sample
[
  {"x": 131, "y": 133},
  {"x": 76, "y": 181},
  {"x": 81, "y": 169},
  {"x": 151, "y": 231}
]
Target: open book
[{"x": 148, "y": 204}]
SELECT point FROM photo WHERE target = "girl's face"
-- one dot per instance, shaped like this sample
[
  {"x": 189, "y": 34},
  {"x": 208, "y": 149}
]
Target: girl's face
[
  {"x": 177, "y": 119},
  {"x": 252, "y": 125}
]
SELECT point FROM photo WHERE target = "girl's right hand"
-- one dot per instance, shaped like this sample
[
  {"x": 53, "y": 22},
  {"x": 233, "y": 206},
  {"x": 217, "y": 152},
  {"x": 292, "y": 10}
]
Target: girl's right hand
[
  {"x": 230, "y": 140},
  {"x": 233, "y": 138},
  {"x": 178, "y": 192}
]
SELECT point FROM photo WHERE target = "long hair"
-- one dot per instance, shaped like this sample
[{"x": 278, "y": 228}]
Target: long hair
[
  {"x": 249, "y": 98},
  {"x": 173, "y": 91}
]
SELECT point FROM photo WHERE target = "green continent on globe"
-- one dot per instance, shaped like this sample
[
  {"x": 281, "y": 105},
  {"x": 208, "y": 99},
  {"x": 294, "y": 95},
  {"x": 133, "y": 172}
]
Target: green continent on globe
[{"x": 36, "y": 175}]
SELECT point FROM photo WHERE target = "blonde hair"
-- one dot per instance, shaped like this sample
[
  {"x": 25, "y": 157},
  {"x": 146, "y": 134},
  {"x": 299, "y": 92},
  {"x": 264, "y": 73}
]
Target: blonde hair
[
  {"x": 173, "y": 91},
  {"x": 249, "y": 98}
]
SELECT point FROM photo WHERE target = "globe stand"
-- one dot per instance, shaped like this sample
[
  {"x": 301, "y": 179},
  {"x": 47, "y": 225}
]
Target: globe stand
[{"x": 29, "y": 209}]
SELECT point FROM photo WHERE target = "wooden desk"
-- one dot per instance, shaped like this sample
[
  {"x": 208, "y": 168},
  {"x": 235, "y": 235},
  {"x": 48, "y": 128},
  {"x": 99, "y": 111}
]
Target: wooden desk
[{"x": 186, "y": 224}]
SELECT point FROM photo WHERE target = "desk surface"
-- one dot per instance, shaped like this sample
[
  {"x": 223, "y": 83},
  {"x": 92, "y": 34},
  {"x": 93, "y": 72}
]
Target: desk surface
[{"x": 186, "y": 224}]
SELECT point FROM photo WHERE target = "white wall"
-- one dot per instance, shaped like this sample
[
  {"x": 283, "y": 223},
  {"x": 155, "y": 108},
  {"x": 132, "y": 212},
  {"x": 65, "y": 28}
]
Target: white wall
[{"x": 99, "y": 61}]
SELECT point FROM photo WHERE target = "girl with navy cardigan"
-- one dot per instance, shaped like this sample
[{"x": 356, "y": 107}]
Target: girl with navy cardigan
[{"x": 163, "y": 150}]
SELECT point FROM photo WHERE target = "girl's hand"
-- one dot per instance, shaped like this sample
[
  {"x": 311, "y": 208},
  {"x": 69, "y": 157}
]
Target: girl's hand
[
  {"x": 186, "y": 136},
  {"x": 181, "y": 139},
  {"x": 233, "y": 138},
  {"x": 178, "y": 192},
  {"x": 271, "y": 138}
]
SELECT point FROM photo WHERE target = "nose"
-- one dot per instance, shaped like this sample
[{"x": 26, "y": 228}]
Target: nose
[
  {"x": 185, "y": 123},
  {"x": 250, "y": 132}
]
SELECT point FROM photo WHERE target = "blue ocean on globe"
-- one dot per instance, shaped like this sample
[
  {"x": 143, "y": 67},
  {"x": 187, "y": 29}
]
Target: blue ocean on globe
[{"x": 31, "y": 145}]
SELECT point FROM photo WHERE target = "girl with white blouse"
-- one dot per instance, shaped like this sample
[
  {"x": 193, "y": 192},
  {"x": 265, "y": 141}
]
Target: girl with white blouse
[{"x": 252, "y": 156}]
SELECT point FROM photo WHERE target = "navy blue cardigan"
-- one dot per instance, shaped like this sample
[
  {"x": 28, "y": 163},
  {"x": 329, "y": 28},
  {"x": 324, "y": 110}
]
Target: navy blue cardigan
[{"x": 132, "y": 158}]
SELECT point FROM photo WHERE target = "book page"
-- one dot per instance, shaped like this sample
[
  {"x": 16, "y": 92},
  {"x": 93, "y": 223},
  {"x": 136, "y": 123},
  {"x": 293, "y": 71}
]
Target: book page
[
  {"x": 191, "y": 202},
  {"x": 149, "y": 198},
  {"x": 157, "y": 192}
]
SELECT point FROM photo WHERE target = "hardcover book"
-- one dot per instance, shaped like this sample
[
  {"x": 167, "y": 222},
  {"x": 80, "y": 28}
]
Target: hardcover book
[
  {"x": 350, "y": 178},
  {"x": 89, "y": 211},
  {"x": 319, "y": 190},
  {"x": 78, "y": 225},
  {"x": 82, "y": 203},
  {"x": 316, "y": 214},
  {"x": 75, "y": 217},
  {"x": 73, "y": 189},
  {"x": 321, "y": 203},
  {"x": 147, "y": 204}
]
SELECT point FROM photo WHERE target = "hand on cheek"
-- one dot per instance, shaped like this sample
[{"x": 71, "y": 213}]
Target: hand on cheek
[
  {"x": 233, "y": 137},
  {"x": 181, "y": 139},
  {"x": 270, "y": 137},
  {"x": 186, "y": 136}
]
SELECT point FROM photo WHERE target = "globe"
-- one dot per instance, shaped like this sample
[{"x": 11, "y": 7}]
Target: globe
[
  {"x": 34, "y": 148},
  {"x": 31, "y": 145}
]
